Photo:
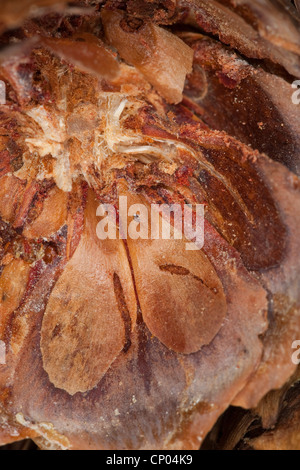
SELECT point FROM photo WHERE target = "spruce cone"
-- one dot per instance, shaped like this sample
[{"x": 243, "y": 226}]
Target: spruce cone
[{"x": 141, "y": 344}]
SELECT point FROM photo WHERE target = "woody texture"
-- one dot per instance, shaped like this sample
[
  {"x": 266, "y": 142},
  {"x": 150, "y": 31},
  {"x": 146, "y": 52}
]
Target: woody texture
[{"x": 136, "y": 344}]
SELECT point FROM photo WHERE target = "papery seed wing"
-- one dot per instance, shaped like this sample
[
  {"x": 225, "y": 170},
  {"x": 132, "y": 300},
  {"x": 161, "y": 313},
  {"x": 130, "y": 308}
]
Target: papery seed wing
[
  {"x": 181, "y": 297},
  {"x": 90, "y": 313}
]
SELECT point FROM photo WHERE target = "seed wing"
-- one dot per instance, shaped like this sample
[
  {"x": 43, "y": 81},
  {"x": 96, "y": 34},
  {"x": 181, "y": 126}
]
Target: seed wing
[
  {"x": 90, "y": 313},
  {"x": 181, "y": 297}
]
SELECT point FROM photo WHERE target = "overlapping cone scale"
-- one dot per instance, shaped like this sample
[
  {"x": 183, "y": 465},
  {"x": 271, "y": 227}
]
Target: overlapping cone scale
[{"x": 141, "y": 344}]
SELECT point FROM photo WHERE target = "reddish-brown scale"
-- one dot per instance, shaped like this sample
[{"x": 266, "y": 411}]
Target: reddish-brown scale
[{"x": 161, "y": 102}]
